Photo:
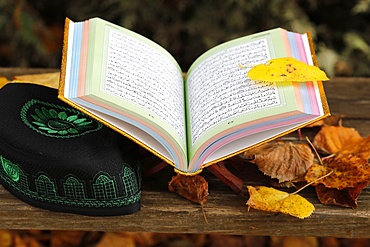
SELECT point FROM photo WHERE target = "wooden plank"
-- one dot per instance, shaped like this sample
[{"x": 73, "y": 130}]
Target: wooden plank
[
  {"x": 349, "y": 96},
  {"x": 226, "y": 211}
]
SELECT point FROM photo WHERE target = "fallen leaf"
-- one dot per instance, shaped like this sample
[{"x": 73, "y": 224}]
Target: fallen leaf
[
  {"x": 332, "y": 139},
  {"x": 359, "y": 148},
  {"x": 193, "y": 188},
  {"x": 349, "y": 168},
  {"x": 285, "y": 161},
  {"x": 272, "y": 200},
  {"x": 286, "y": 69},
  {"x": 346, "y": 172},
  {"x": 346, "y": 197}
]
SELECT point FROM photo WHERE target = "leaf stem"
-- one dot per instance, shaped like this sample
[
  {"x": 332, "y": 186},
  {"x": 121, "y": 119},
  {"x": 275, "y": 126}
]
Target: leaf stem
[
  {"x": 204, "y": 213},
  {"x": 314, "y": 149},
  {"x": 322, "y": 177}
]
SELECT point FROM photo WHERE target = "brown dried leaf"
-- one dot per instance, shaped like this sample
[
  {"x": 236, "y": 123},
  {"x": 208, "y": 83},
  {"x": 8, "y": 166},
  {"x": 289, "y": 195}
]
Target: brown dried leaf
[
  {"x": 193, "y": 188},
  {"x": 359, "y": 148},
  {"x": 346, "y": 197},
  {"x": 332, "y": 139},
  {"x": 285, "y": 161},
  {"x": 347, "y": 172}
]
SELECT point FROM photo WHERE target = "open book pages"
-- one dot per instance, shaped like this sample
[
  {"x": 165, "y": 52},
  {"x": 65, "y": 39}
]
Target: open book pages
[{"x": 136, "y": 87}]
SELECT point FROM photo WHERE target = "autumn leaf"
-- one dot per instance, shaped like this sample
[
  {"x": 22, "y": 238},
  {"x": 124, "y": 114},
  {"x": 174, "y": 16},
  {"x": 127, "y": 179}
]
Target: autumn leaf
[
  {"x": 193, "y": 188},
  {"x": 346, "y": 197},
  {"x": 285, "y": 161},
  {"x": 332, "y": 139},
  {"x": 359, "y": 148},
  {"x": 272, "y": 200},
  {"x": 346, "y": 172},
  {"x": 286, "y": 69},
  {"x": 350, "y": 170}
]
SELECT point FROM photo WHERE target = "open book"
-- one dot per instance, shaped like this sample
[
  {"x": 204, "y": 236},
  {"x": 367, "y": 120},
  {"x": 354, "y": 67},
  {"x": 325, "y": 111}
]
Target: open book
[{"x": 214, "y": 112}]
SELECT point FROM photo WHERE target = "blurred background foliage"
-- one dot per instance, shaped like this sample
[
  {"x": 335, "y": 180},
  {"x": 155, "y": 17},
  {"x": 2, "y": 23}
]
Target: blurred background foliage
[{"x": 32, "y": 30}]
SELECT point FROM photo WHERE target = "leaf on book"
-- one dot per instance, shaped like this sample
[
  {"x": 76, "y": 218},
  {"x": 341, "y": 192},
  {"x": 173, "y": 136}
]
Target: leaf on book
[
  {"x": 272, "y": 200},
  {"x": 285, "y": 161},
  {"x": 346, "y": 197},
  {"x": 193, "y": 188},
  {"x": 286, "y": 69},
  {"x": 346, "y": 172}
]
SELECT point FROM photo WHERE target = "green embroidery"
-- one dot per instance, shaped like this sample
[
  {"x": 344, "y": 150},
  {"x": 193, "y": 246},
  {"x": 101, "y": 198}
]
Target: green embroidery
[
  {"x": 57, "y": 121},
  {"x": 10, "y": 169},
  {"x": 44, "y": 186},
  {"x": 129, "y": 181},
  {"x": 74, "y": 189},
  {"x": 105, "y": 190}
]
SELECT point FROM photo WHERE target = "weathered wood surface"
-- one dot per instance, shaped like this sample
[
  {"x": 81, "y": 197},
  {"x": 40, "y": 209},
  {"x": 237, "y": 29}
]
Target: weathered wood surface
[{"x": 226, "y": 211}]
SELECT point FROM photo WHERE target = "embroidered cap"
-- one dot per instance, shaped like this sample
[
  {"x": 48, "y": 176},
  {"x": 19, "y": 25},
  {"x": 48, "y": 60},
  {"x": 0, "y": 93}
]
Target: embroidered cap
[{"x": 55, "y": 157}]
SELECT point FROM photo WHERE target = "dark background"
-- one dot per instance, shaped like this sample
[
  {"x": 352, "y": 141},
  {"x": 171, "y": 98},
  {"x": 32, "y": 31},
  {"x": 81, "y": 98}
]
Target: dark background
[{"x": 32, "y": 30}]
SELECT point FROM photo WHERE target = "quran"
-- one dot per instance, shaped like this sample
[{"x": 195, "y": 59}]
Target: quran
[{"x": 191, "y": 120}]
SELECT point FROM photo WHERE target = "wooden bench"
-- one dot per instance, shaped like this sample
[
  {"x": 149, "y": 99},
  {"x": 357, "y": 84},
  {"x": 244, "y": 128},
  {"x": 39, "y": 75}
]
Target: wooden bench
[{"x": 163, "y": 211}]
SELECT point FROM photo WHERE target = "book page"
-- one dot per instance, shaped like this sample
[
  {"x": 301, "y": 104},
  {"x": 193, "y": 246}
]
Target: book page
[
  {"x": 139, "y": 74},
  {"x": 129, "y": 74},
  {"x": 220, "y": 96},
  {"x": 218, "y": 90}
]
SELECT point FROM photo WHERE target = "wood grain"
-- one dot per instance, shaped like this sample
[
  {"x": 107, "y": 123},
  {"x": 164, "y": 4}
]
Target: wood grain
[{"x": 165, "y": 212}]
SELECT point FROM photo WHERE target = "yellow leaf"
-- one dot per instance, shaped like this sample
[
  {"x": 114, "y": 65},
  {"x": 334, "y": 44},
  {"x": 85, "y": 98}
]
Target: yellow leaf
[
  {"x": 286, "y": 69},
  {"x": 272, "y": 200}
]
